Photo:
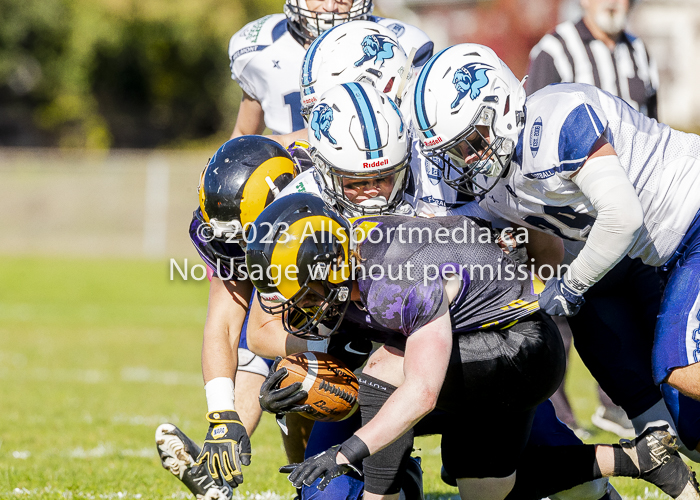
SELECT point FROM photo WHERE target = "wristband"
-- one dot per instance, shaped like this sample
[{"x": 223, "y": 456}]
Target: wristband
[
  {"x": 354, "y": 449},
  {"x": 219, "y": 393},
  {"x": 318, "y": 345}
]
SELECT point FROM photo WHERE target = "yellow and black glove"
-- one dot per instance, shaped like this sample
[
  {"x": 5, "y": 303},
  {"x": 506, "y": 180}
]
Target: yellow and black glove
[{"x": 225, "y": 448}]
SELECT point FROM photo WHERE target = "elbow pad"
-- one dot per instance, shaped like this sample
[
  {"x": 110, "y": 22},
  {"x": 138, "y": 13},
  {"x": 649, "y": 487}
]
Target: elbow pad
[{"x": 620, "y": 216}]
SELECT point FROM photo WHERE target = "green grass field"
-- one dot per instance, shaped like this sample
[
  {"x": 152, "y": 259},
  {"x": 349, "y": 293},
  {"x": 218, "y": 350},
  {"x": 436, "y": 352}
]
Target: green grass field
[{"x": 94, "y": 354}]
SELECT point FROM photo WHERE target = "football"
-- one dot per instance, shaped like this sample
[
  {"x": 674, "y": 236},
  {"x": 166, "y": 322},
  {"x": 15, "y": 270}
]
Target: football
[{"x": 331, "y": 386}]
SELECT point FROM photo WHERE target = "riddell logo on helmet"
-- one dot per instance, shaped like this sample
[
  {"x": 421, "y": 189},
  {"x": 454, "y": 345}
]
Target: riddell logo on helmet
[
  {"x": 309, "y": 100},
  {"x": 273, "y": 297},
  {"x": 378, "y": 163},
  {"x": 432, "y": 142}
]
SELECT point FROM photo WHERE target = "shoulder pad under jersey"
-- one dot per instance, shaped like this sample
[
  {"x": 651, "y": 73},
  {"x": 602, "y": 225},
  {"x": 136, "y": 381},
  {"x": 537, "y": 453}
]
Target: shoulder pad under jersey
[
  {"x": 564, "y": 121},
  {"x": 409, "y": 37},
  {"x": 251, "y": 39}
]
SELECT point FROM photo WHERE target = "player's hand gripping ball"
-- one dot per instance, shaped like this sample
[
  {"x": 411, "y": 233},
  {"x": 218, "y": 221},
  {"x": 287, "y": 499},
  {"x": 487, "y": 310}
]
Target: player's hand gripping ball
[{"x": 330, "y": 385}]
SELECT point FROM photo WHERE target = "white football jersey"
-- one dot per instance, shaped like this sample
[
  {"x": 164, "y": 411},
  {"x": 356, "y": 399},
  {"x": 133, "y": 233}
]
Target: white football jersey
[
  {"x": 266, "y": 62},
  {"x": 563, "y": 122}
]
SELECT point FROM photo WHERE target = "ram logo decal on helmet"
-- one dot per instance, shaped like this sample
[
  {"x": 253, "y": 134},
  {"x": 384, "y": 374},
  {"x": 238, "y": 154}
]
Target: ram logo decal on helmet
[
  {"x": 321, "y": 122},
  {"x": 379, "y": 47},
  {"x": 470, "y": 79}
]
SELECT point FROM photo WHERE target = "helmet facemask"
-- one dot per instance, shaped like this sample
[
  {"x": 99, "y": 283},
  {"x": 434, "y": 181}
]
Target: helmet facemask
[
  {"x": 309, "y": 24},
  {"x": 336, "y": 182},
  {"x": 207, "y": 232},
  {"x": 489, "y": 155},
  {"x": 316, "y": 301}
]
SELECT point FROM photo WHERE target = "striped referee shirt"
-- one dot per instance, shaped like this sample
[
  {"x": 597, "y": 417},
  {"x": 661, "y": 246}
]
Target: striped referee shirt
[{"x": 570, "y": 53}]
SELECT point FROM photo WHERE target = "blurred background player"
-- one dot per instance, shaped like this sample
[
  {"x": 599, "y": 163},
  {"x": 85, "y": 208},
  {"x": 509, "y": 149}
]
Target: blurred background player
[
  {"x": 266, "y": 58},
  {"x": 597, "y": 50}
]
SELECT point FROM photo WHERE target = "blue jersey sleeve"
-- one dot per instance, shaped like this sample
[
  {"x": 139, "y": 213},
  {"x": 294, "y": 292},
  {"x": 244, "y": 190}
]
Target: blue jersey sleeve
[{"x": 580, "y": 131}]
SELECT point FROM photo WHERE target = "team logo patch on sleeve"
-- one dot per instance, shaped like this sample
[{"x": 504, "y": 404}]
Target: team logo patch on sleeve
[
  {"x": 469, "y": 80},
  {"x": 536, "y": 136},
  {"x": 321, "y": 122},
  {"x": 378, "y": 47}
]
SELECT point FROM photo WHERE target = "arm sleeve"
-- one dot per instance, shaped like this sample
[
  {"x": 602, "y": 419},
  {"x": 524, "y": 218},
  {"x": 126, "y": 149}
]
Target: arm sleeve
[{"x": 620, "y": 216}]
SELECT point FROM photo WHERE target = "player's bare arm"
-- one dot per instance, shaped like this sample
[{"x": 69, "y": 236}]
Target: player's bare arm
[
  {"x": 287, "y": 139},
  {"x": 228, "y": 302},
  {"x": 424, "y": 367},
  {"x": 267, "y": 337},
  {"x": 547, "y": 249},
  {"x": 251, "y": 118}
]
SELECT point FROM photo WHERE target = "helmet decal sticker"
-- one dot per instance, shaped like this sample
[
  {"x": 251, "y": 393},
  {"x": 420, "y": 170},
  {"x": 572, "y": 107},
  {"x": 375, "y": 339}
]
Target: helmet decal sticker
[
  {"x": 470, "y": 79},
  {"x": 379, "y": 47},
  {"x": 321, "y": 122}
]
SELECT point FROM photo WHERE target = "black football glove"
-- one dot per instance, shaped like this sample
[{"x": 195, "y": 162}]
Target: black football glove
[
  {"x": 281, "y": 401},
  {"x": 323, "y": 465},
  {"x": 351, "y": 349},
  {"x": 225, "y": 448}
]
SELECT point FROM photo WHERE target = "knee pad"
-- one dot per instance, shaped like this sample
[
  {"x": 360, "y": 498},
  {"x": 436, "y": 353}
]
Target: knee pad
[
  {"x": 383, "y": 471},
  {"x": 251, "y": 363}
]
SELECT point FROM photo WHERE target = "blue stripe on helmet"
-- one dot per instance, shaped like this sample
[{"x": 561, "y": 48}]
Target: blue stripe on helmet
[
  {"x": 418, "y": 97},
  {"x": 368, "y": 121},
  {"x": 307, "y": 65}
]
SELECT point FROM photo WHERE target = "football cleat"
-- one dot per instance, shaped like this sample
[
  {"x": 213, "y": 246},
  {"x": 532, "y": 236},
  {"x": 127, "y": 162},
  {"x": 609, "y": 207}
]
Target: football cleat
[
  {"x": 613, "y": 419},
  {"x": 654, "y": 453},
  {"x": 178, "y": 454}
]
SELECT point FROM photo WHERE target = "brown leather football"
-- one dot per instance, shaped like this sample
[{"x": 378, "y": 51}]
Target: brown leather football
[{"x": 331, "y": 386}]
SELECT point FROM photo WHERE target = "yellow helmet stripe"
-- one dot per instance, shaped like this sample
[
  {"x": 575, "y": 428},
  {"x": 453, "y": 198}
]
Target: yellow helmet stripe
[
  {"x": 202, "y": 196},
  {"x": 285, "y": 254},
  {"x": 256, "y": 188}
]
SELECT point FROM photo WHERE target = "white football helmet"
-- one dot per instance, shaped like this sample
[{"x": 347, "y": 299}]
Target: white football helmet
[
  {"x": 309, "y": 24},
  {"x": 360, "y": 144},
  {"x": 468, "y": 105},
  {"x": 361, "y": 51}
]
